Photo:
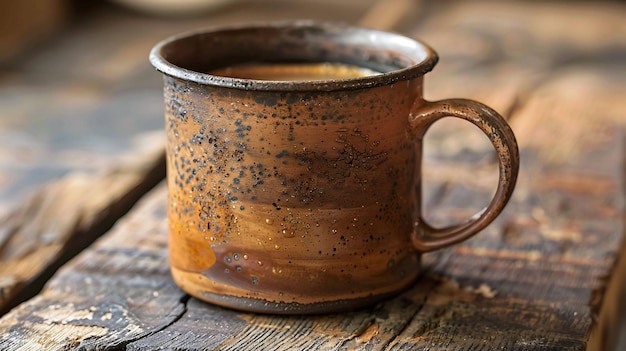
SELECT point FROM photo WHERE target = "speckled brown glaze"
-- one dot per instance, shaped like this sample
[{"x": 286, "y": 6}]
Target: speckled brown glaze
[{"x": 303, "y": 196}]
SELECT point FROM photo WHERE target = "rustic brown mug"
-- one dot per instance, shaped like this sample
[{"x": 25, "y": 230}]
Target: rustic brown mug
[{"x": 294, "y": 154}]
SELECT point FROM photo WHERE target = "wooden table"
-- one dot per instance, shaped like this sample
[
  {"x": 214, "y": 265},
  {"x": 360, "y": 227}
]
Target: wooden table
[{"x": 549, "y": 274}]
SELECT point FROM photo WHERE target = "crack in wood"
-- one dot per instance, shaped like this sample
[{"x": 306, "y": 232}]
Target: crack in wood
[{"x": 184, "y": 300}]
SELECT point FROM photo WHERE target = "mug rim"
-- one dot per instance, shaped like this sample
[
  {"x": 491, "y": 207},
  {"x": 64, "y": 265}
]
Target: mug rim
[{"x": 419, "y": 68}]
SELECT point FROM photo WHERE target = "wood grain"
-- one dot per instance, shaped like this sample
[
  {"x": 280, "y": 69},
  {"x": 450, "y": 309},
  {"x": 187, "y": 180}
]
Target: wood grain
[{"x": 67, "y": 215}]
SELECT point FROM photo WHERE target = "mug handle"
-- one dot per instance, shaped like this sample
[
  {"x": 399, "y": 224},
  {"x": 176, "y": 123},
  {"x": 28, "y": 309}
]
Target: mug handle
[{"x": 426, "y": 238}]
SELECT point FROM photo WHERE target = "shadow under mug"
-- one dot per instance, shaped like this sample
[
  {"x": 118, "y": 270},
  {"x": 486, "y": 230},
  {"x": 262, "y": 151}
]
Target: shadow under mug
[{"x": 303, "y": 196}]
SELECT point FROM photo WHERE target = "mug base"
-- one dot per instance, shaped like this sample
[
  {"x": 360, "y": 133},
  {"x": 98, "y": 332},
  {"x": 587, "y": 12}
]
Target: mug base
[
  {"x": 283, "y": 303},
  {"x": 266, "y": 306},
  {"x": 246, "y": 304}
]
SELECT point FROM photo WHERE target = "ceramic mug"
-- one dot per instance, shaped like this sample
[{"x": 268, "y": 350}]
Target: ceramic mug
[{"x": 294, "y": 155}]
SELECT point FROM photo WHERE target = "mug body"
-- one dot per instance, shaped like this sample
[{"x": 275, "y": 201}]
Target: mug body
[{"x": 299, "y": 196}]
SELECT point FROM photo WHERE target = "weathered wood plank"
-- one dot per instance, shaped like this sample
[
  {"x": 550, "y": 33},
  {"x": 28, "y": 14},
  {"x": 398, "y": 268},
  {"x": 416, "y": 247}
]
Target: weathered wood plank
[
  {"x": 533, "y": 280},
  {"x": 67, "y": 215},
  {"x": 120, "y": 291}
]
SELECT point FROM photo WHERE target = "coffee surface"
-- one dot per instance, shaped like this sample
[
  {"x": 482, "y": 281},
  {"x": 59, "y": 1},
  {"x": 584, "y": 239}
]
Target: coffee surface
[{"x": 294, "y": 71}]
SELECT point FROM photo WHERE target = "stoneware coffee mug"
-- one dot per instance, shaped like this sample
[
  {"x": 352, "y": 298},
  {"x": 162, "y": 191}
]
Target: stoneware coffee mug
[{"x": 294, "y": 155}]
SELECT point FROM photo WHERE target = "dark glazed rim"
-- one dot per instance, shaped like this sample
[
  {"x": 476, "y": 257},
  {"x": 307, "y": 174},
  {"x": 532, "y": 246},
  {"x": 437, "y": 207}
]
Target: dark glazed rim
[{"x": 424, "y": 62}]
